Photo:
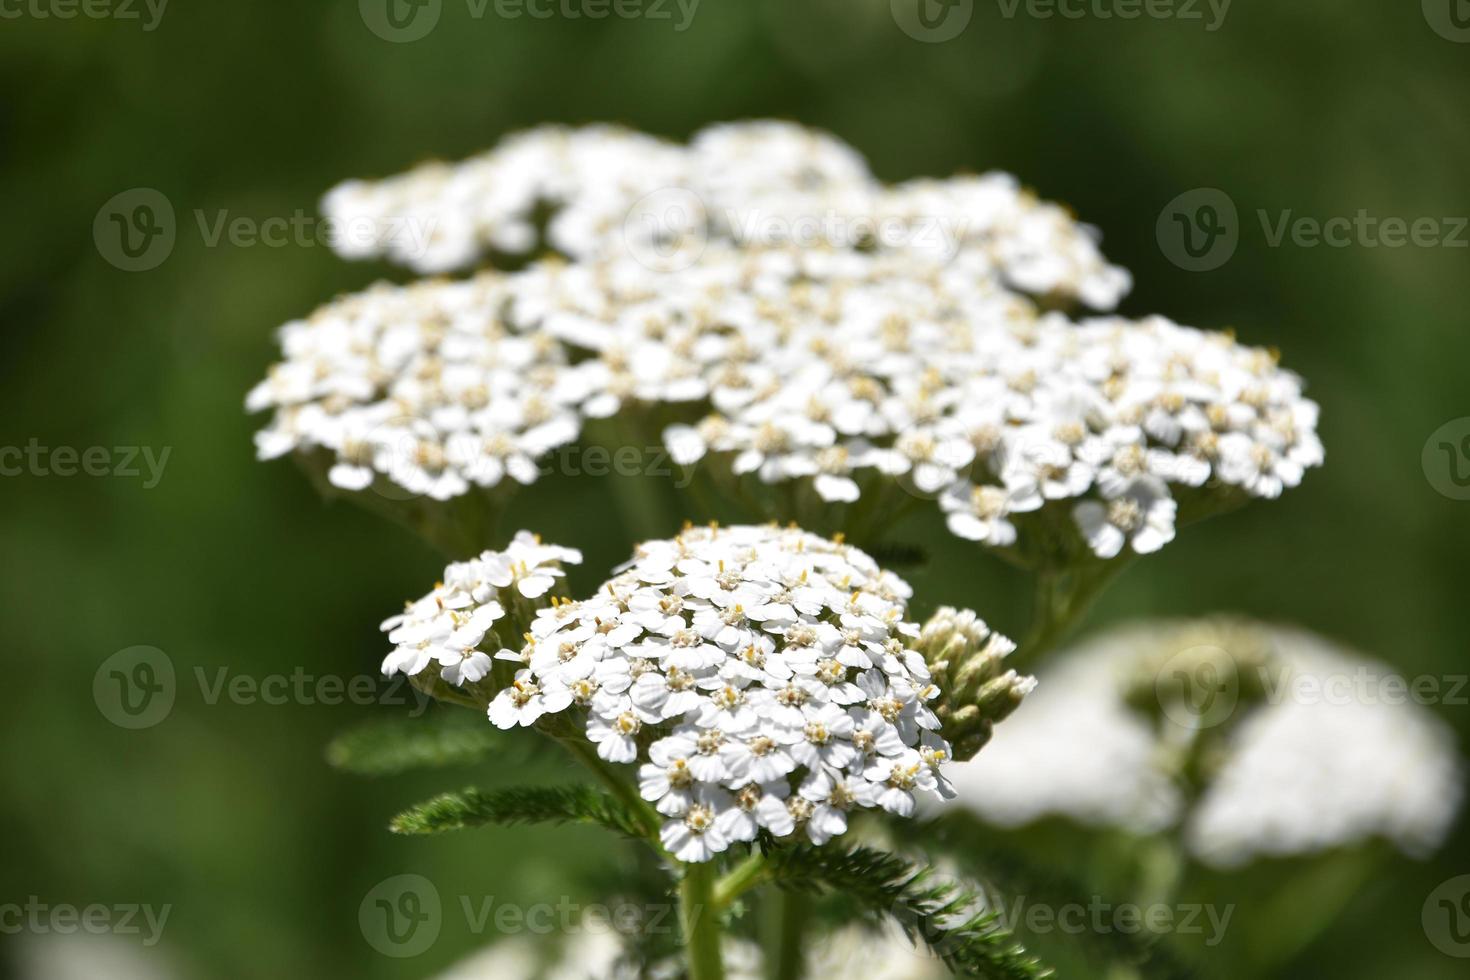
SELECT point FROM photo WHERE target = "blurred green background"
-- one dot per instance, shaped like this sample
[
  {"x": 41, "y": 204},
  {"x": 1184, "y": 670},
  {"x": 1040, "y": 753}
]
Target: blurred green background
[{"x": 227, "y": 811}]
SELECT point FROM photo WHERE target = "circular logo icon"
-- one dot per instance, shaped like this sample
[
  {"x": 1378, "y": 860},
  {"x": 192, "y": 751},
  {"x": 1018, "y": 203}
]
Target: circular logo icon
[
  {"x": 401, "y": 916},
  {"x": 1450, "y": 19},
  {"x": 1446, "y": 917},
  {"x": 667, "y": 229},
  {"x": 1199, "y": 229},
  {"x": 932, "y": 21},
  {"x": 135, "y": 688},
  {"x": 1446, "y": 459},
  {"x": 1198, "y": 687},
  {"x": 135, "y": 229},
  {"x": 400, "y": 21}
]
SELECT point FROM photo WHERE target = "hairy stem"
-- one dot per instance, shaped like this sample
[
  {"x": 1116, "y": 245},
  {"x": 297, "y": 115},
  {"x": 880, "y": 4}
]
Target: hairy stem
[{"x": 700, "y": 922}]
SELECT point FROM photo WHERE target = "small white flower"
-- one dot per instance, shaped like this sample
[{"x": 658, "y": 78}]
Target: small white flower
[{"x": 1142, "y": 516}]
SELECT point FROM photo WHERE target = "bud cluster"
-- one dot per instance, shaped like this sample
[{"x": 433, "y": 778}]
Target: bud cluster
[{"x": 967, "y": 661}]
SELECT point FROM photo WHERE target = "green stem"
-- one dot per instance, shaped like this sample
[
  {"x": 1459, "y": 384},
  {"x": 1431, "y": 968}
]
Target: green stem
[
  {"x": 620, "y": 788},
  {"x": 740, "y": 879},
  {"x": 1062, "y": 598},
  {"x": 700, "y": 922},
  {"x": 785, "y": 916}
]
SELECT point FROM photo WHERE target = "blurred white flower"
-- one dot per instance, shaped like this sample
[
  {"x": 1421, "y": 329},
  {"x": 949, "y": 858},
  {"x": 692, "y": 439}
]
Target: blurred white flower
[
  {"x": 756, "y": 183},
  {"x": 1300, "y": 773}
]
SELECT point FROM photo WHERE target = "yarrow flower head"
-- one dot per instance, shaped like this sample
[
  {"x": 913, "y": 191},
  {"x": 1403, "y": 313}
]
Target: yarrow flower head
[
  {"x": 763, "y": 679},
  {"x": 422, "y": 388},
  {"x": 610, "y": 190}
]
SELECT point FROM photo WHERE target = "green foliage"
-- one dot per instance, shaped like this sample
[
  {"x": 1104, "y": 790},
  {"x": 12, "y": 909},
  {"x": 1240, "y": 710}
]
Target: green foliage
[
  {"x": 533, "y": 804},
  {"x": 387, "y": 746},
  {"x": 951, "y": 918}
]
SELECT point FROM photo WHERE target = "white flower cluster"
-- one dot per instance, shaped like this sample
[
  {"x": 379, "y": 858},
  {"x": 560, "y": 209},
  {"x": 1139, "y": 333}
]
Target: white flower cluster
[
  {"x": 1299, "y": 774},
  {"x": 450, "y": 627},
  {"x": 609, "y": 189},
  {"x": 832, "y": 366},
  {"x": 763, "y": 678},
  {"x": 826, "y": 366},
  {"x": 421, "y": 385}
]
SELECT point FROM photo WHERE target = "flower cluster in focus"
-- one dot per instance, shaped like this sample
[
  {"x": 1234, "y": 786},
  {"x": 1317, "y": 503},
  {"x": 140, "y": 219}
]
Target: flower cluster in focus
[{"x": 763, "y": 679}]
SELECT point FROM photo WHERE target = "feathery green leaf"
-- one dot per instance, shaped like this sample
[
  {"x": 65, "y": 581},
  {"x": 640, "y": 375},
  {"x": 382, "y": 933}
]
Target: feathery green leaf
[{"x": 534, "y": 804}]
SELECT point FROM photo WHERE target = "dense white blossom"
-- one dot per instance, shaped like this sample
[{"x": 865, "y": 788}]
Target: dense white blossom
[
  {"x": 423, "y": 387},
  {"x": 1327, "y": 756},
  {"x": 762, "y": 679},
  {"x": 841, "y": 369},
  {"x": 609, "y": 189},
  {"x": 836, "y": 369}
]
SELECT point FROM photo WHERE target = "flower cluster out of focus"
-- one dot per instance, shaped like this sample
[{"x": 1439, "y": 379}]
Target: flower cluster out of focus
[
  {"x": 762, "y": 679},
  {"x": 1290, "y": 745},
  {"x": 595, "y": 191}
]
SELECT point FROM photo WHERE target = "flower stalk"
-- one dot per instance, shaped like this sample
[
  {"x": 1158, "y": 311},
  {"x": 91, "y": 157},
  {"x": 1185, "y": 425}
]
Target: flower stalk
[{"x": 699, "y": 920}]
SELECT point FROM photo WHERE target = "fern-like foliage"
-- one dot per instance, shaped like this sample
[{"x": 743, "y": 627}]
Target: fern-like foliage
[
  {"x": 951, "y": 918},
  {"x": 517, "y": 805},
  {"x": 387, "y": 746}
]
